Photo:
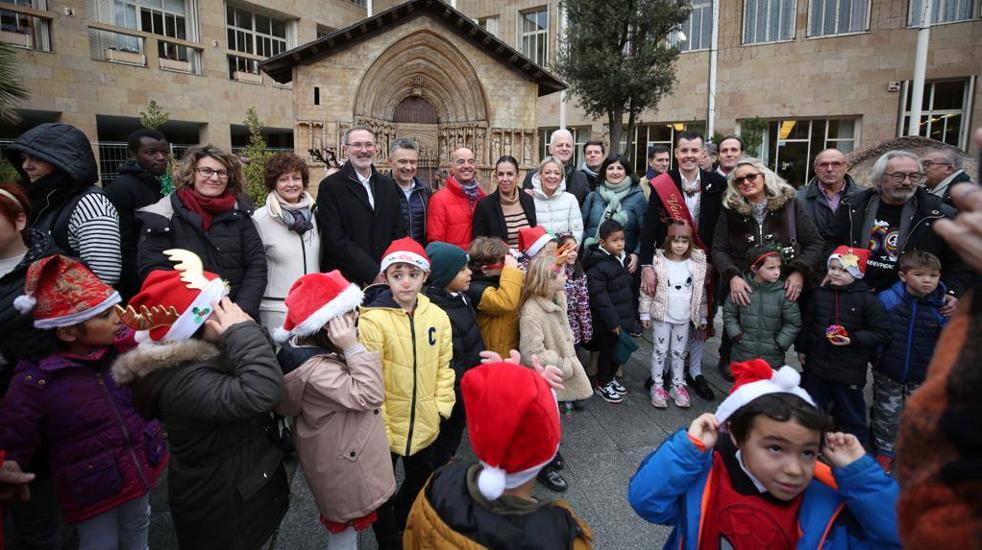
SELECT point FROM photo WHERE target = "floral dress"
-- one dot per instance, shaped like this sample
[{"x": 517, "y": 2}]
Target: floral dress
[{"x": 578, "y": 307}]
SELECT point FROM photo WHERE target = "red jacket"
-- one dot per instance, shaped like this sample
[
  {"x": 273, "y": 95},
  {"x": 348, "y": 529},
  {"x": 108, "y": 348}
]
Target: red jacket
[{"x": 451, "y": 215}]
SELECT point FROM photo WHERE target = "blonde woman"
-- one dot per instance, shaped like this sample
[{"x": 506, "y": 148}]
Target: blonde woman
[
  {"x": 205, "y": 215},
  {"x": 555, "y": 209}
]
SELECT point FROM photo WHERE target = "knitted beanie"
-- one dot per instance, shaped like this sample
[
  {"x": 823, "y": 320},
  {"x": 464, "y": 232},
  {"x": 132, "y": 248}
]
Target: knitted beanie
[{"x": 446, "y": 260}]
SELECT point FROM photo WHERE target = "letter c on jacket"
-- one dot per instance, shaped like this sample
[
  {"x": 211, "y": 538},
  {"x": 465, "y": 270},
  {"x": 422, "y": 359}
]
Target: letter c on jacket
[{"x": 432, "y": 335}]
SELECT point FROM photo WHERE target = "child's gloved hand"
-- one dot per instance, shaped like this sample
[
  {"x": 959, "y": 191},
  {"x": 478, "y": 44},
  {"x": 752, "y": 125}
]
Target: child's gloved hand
[
  {"x": 842, "y": 449},
  {"x": 341, "y": 330},
  {"x": 705, "y": 428}
]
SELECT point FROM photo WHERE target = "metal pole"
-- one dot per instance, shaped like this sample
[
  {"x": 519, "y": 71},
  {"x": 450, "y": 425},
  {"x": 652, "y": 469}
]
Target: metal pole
[
  {"x": 368, "y": 8},
  {"x": 713, "y": 58},
  {"x": 920, "y": 68},
  {"x": 559, "y": 42}
]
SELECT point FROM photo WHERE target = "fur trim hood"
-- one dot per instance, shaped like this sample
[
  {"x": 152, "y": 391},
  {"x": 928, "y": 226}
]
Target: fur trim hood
[
  {"x": 148, "y": 357},
  {"x": 786, "y": 195}
]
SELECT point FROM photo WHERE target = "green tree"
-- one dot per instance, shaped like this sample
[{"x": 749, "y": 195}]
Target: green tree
[
  {"x": 154, "y": 117},
  {"x": 617, "y": 58},
  {"x": 752, "y": 133},
  {"x": 11, "y": 90},
  {"x": 256, "y": 156}
]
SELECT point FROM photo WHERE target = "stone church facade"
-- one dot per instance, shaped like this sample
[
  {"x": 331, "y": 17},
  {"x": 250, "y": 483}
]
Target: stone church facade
[{"x": 421, "y": 71}]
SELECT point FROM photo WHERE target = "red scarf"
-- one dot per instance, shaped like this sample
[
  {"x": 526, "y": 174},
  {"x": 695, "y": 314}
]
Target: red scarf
[{"x": 206, "y": 207}]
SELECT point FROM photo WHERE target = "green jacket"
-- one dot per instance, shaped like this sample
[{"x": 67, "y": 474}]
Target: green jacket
[{"x": 766, "y": 328}]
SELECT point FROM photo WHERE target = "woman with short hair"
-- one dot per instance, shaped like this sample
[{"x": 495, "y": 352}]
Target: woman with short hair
[
  {"x": 555, "y": 208},
  {"x": 206, "y": 216}
]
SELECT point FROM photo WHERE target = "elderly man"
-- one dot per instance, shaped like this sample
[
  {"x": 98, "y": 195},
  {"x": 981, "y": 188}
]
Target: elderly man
[
  {"x": 821, "y": 198},
  {"x": 942, "y": 170},
  {"x": 730, "y": 151},
  {"x": 451, "y": 209},
  {"x": 413, "y": 195},
  {"x": 594, "y": 152},
  {"x": 708, "y": 160},
  {"x": 894, "y": 217},
  {"x": 561, "y": 147},
  {"x": 357, "y": 211}
]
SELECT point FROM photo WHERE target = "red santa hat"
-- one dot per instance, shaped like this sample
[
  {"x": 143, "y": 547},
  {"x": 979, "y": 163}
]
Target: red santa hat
[
  {"x": 852, "y": 259},
  {"x": 172, "y": 305},
  {"x": 405, "y": 251},
  {"x": 315, "y": 299},
  {"x": 756, "y": 378},
  {"x": 62, "y": 292},
  {"x": 532, "y": 239},
  {"x": 512, "y": 423}
]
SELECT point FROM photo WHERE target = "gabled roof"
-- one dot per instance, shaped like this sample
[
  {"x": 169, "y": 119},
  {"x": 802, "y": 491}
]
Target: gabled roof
[{"x": 280, "y": 67}]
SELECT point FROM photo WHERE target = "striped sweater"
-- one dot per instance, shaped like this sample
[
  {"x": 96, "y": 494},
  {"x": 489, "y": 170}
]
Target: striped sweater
[{"x": 93, "y": 232}]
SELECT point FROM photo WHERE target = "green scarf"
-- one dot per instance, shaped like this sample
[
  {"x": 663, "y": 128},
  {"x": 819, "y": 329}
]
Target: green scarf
[{"x": 612, "y": 195}]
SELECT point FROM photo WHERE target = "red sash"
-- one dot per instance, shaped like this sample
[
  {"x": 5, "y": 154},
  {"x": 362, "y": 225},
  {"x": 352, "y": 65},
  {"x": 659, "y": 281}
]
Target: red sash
[{"x": 675, "y": 205}]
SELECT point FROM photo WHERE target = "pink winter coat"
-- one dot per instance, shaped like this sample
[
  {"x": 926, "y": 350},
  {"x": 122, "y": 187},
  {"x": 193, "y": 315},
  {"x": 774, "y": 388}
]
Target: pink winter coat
[{"x": 339, "y": 433}]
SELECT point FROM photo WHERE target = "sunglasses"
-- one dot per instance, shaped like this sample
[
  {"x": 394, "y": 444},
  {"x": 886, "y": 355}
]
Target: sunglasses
[{"x": 749, "y": 178}]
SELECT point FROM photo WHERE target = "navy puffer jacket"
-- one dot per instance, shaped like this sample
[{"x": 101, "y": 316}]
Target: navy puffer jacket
[
  {"x": 467, "y": 341},
  {"x": 915, "y": 325},
  {"x": 611, "y": 291}
]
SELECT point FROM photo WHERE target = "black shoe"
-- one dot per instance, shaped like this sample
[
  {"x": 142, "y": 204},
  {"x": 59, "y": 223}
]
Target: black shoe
[
  {"x": 558, "y": 463},
  {"x": 701, "y": 387},
  {"x": 552, "y": 480},
  {"x": 618, "y": 387},
  {"x": 724, "y": 369},
  {"x": 609, "y": 394}
]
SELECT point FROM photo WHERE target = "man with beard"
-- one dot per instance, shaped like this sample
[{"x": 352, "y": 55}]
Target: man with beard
[
  {"x": 561, "y": 147},
  {"x": 357, "y": 212},
  {"x": 450, "y": 216},
  {"x": 894, "y": 217},
  {"x": 142, "y": 181}
]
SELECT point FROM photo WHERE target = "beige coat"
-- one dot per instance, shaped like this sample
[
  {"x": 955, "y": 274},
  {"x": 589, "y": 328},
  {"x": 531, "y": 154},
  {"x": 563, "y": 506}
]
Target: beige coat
[
  {"x": 545, "y": 332},
  {"x": 339, "y": 433}
]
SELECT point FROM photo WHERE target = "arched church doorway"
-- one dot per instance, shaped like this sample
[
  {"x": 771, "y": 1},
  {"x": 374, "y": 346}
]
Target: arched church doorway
[{"x": 417, "y": 119}]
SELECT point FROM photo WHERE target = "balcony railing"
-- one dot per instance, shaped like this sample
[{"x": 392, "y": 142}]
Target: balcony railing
[
  {"x": 25, "y": 27},
  {"x": 134, "y": 47}
]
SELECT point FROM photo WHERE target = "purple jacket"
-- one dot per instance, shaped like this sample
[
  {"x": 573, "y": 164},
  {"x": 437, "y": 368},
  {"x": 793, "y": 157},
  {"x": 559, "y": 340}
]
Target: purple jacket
[{"x": 102, "y": 452}]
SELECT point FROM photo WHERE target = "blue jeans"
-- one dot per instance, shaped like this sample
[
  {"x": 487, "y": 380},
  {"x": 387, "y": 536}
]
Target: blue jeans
[
  {"x": 125, "y": 527},
  {"x": 847, "y": 402}
]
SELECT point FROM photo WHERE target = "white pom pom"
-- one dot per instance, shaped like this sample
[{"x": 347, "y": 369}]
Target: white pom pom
[
  {"x": 280, "y": 336},
  {"x": 786, "y": 378},
  {"x": 25, "y": 303},
  {"x": 491, "y": 482}
]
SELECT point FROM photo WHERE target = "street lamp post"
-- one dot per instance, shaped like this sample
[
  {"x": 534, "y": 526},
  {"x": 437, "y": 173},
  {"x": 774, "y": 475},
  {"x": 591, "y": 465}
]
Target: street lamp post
[{"x": 920, "y": 67}]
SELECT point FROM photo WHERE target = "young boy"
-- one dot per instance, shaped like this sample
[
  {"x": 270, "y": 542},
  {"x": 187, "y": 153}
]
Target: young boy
[
  {"x": 769, "y": 325},
  {"x": 450, "y": 277},
  {"x": 913, "y": 305},
  {"x": 611, "y": 302},
  {"x": 748, "y": 477},
  {"x": 845, "y": 324},
  {"x": 495, "y": 291},
  {"x": 413, "y": 336},
  {"x": 513, "y": 424}
]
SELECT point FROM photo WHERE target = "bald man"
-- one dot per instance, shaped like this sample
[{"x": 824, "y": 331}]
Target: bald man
[
  {"x": 451, "y": 210},
  {"x": 824, "y": 193},
  {"x": 575, "y": 181}
]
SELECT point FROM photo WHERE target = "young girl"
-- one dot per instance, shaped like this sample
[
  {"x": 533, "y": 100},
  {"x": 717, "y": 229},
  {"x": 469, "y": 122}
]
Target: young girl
[
  {"x": 545, "y": 333},
  {"x": 679, "y": 301},
  {"x": 767, "y": 327},
  {"x": 334, "y": 388},
  {"x": 496, "y": 288},
  {"x": 577, "y": 295}
]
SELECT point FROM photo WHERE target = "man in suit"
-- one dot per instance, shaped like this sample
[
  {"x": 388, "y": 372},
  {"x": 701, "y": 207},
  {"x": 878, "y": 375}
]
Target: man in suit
[{"x": 357, "y": 211}]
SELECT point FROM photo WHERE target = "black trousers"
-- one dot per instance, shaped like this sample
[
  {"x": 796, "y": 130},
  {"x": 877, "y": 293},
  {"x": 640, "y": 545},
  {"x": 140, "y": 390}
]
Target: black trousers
[
  {"x": 392, "y": 515},
  {"x": 606, "y": 342},
  {"x": 847, "y": 403},
  {"x": 451, "y": 432}
]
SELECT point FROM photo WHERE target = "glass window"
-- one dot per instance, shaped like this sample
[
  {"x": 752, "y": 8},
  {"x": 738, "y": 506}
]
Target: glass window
[
  {"x": 943, "y": 11},
  {"x": 830, "y": 17},
  {"x": 791, "y": 145},
  {"x": 256, "y": 34},
  {"x": 534, "y": 34},
  {"x": 698, "y": 30},
  {"x": 490, "y": 24},
  {"x": 768, "y": 21},
  {"x": 25, "y": 31},
  {"x": 943, "y": 112}
]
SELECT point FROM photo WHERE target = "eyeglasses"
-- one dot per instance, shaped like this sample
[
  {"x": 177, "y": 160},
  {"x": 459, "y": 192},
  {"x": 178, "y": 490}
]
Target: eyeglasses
[
  {"x": 899, "y": 177},
  {"x": 367, "y": 145},
  {"x": 749, "y": 178},
  {"x": 209, "y": 172},
  {"x": 929, "y": 163}
]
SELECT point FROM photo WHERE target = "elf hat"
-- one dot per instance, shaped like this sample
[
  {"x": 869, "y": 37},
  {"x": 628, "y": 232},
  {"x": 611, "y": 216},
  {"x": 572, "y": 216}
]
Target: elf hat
[
  {"x": 315, "y": 299},
  {"x": 172, "y": 305},
  {"x": 405, "y": 251},
  {"x": 512, "y": 423},
  {"x": 756, "y": 378},
  {"x": 853, "y": 259},
  {"x": 532, "y": 239},
  {"x": 62, "y": 292}
]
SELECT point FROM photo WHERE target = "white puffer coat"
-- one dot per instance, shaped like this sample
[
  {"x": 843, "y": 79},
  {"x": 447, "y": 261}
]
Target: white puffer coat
[{"x": 559, "y": 213}]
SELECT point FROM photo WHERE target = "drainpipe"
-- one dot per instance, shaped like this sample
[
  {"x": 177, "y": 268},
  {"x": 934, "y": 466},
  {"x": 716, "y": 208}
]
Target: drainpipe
[
  {"x": 713, "y": 55},
  {"x": 920, "y": 68},
  {"x": 562, "y": 94},
  {"x": 368, "y": 8}
]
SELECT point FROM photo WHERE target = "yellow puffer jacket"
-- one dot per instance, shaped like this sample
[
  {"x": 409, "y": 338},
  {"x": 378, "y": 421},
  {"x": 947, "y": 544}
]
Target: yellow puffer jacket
[
  {"x": 497, "y": 310},
  {"x": 416, "y": 351}
]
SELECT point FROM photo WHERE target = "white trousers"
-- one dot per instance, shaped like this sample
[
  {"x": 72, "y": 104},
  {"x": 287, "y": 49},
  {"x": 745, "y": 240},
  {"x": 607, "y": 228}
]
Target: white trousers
[{"x": 670, "y": 341}]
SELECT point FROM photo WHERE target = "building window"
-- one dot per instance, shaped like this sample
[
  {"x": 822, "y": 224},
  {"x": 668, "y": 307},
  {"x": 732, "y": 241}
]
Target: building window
[
  {"x": 831, "y": 17},
  {"x": 943, "y": 11},
  {"x": 534, "y": 34},
  {"x": 359, "y": 3},
  {"x": 944, "y": 111},
  {"x": 254, "y": 34},
  {"x": 490, "y": 24},
  {"x": 22, "y": 30},
  {"x": 649, "y": 135},
  {"x": 768, "y": 21},
  {"x": 790, "y": 146},
  {"x": 698, "y": 30}
]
